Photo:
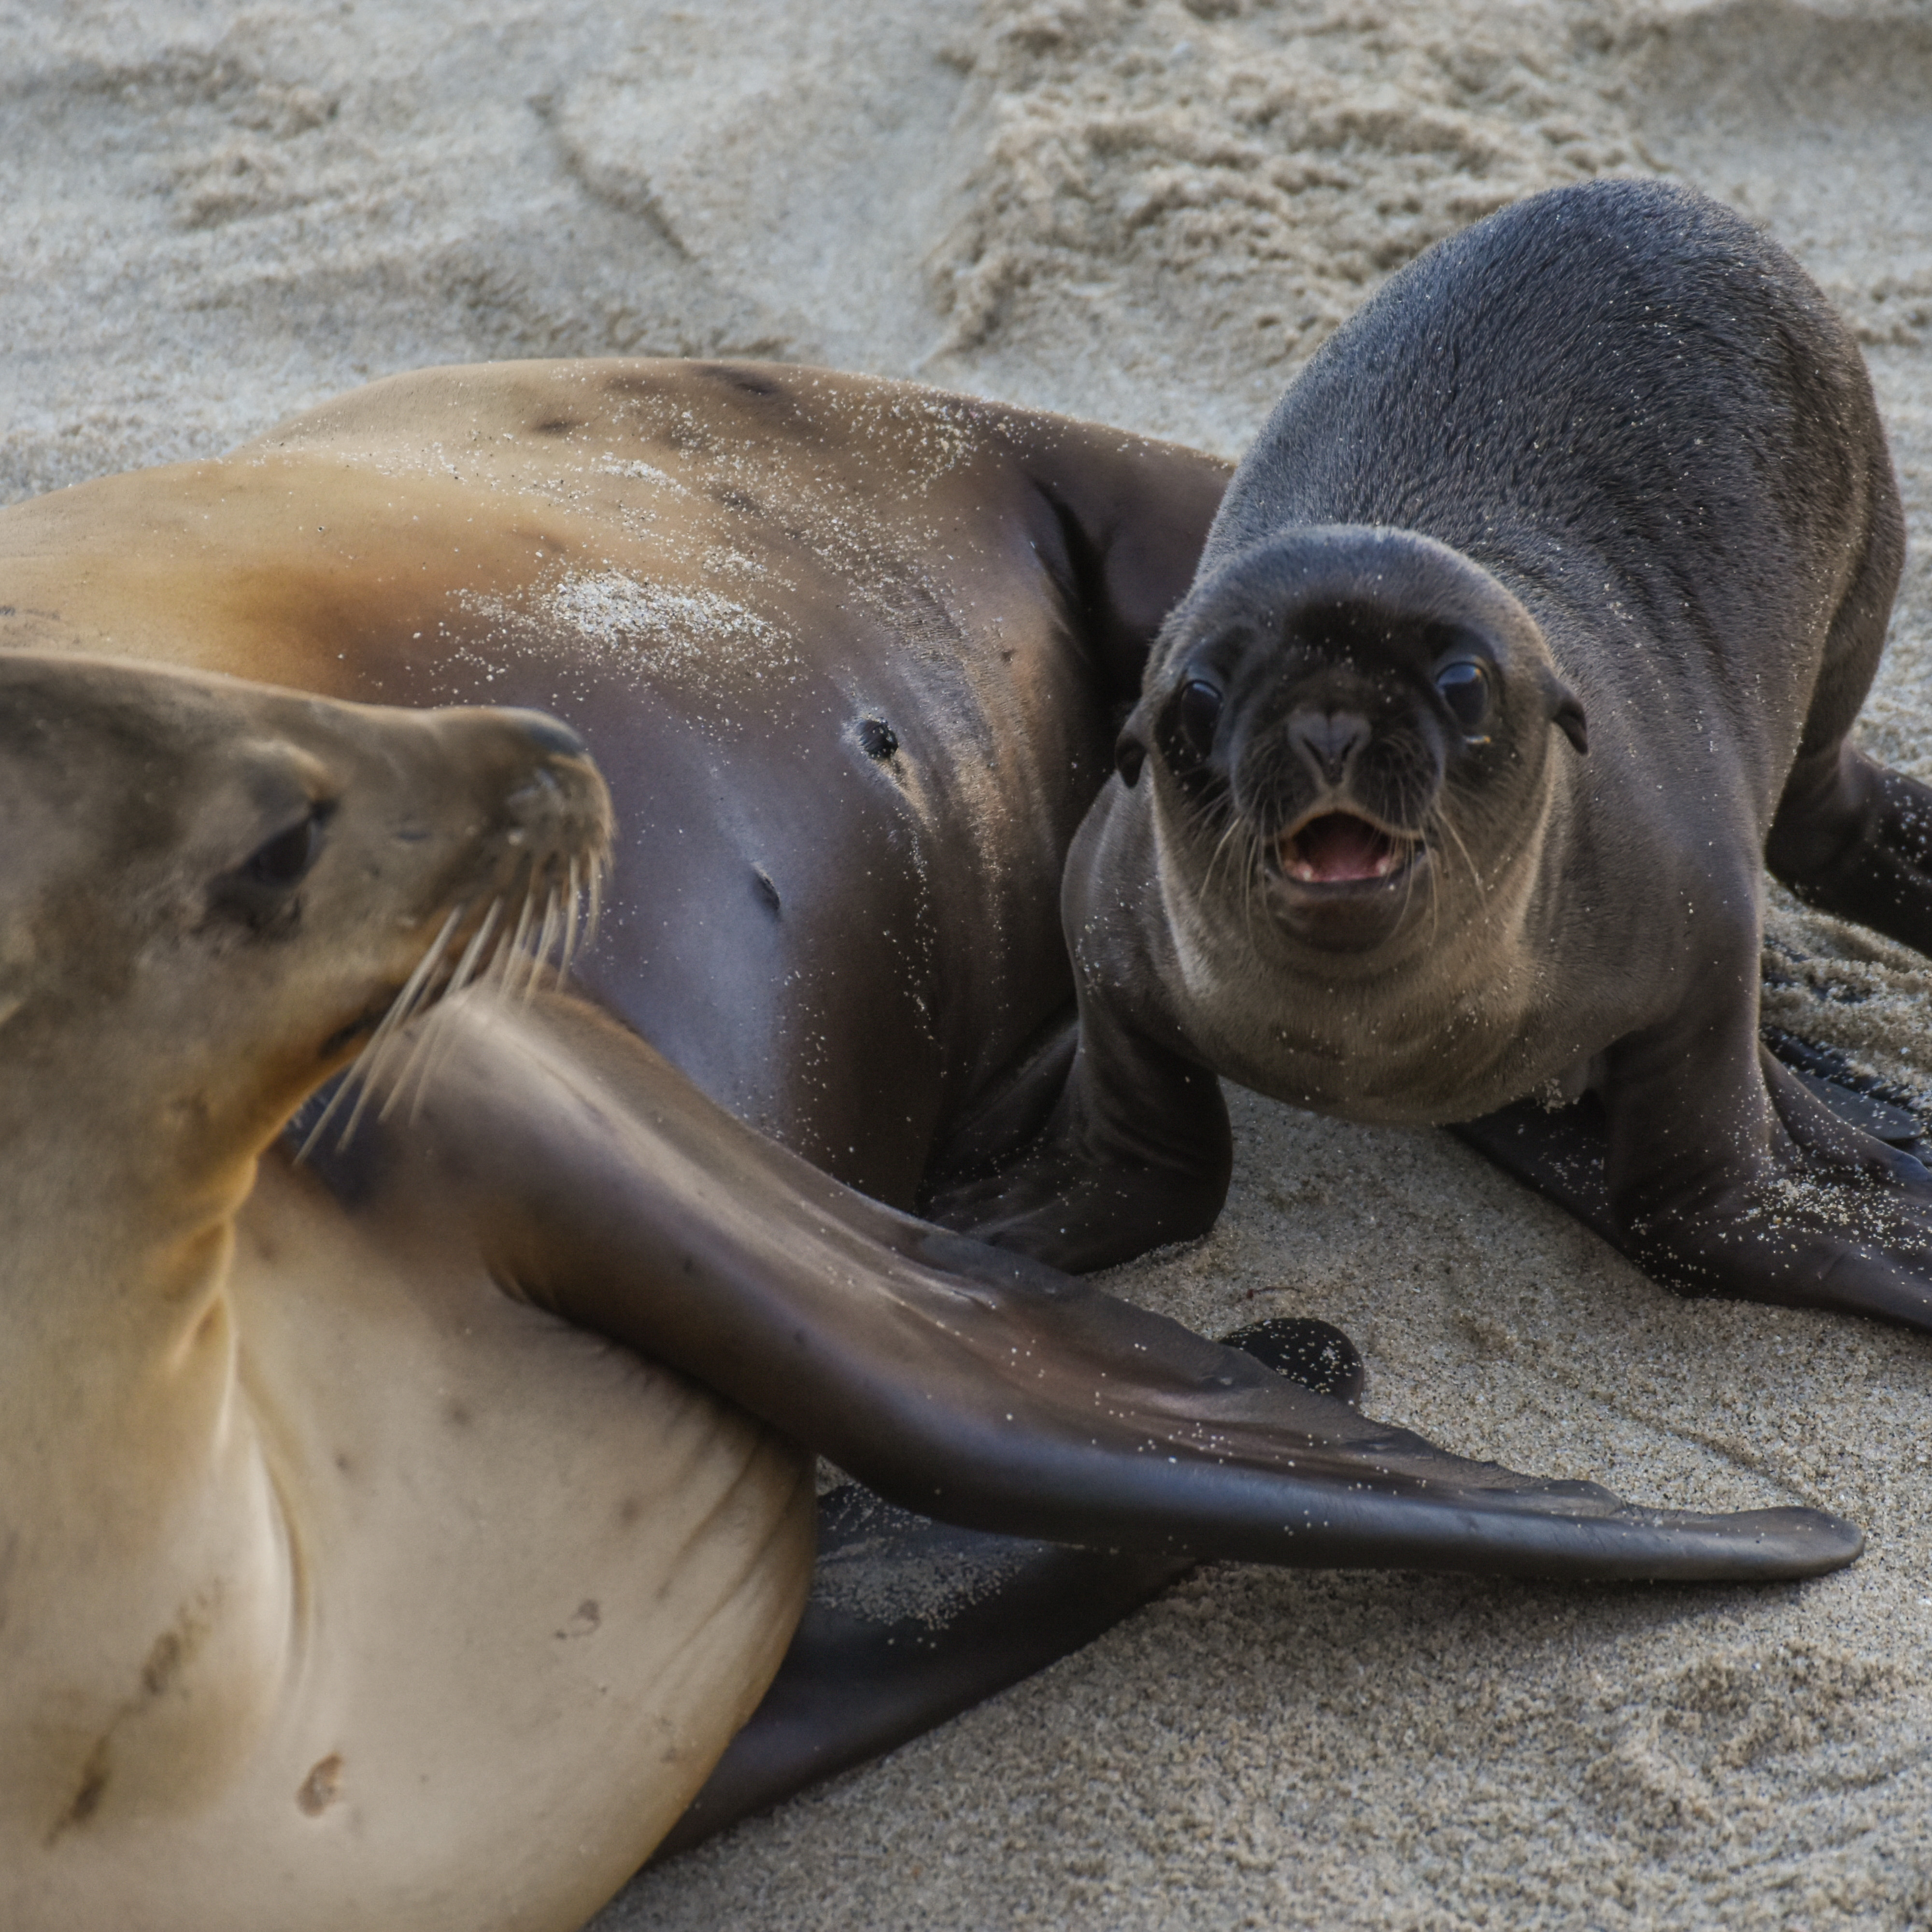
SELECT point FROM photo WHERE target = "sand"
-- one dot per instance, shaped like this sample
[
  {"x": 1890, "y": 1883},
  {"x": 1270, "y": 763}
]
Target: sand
[{"x": 216, "y": 214}]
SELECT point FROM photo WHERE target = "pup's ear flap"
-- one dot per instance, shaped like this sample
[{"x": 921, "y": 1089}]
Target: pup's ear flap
[{"x": 1566, "y": 713}]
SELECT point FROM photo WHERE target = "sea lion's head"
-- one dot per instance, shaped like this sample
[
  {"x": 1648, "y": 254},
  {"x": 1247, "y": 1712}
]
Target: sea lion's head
[
  {"x": 1346, "y": 732},
  {"x": 212, "y": 893}
]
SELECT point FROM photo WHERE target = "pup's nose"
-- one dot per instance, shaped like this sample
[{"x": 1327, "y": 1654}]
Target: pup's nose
[
  {"x": 1329, "y": 740},
  {"x": 551, "y": 735}
]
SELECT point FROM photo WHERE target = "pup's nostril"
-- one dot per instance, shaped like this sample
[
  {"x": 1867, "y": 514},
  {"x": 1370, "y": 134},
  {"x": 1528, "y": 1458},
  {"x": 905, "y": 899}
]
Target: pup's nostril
[
  {"x": 1329, "y": 739},
  {"x": 551, "y": 736}
]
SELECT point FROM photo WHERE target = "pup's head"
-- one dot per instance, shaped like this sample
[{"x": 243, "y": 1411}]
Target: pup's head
[{"x": 1345, "y": 731}]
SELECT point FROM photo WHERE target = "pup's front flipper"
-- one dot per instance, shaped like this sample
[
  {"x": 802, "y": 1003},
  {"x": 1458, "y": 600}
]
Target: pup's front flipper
[
  {"x": 1854, "y": 838},
  {"x": 1849, "y": 1227}
]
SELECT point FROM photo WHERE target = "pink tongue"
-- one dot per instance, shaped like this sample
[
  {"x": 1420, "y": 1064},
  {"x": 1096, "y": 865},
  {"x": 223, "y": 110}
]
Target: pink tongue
[{"x": 1339, "y": 846}]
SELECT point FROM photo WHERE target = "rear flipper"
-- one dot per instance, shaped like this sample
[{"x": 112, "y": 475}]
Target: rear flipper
[
  {"x": 911, "y": 1621},
  {"x": 1854, "y": 839}
]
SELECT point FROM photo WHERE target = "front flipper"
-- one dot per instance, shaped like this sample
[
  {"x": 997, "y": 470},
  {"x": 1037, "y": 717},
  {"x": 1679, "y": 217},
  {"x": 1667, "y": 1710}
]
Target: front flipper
[
  {"x": 1854, "y": 839},
  {"x": 1853, "y": 1232},
  {"x": 972, "y": 1384},
  {"x": 910, "y": 1622}
]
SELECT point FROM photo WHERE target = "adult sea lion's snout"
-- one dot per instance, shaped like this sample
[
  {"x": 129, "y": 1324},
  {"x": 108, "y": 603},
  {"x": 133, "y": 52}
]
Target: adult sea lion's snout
[{"x": 541, "y": 807}]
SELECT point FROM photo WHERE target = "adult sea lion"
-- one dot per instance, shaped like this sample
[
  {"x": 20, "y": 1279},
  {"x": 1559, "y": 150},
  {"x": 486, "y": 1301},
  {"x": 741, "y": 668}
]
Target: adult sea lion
[
  {"x": 1533, "y": 625},
  {"x": 346, "y": 1584}
]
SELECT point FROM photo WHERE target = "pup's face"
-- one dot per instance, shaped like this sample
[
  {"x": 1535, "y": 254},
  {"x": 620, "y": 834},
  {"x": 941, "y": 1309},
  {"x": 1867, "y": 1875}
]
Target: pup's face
[{"x": 1345, "y": 733}]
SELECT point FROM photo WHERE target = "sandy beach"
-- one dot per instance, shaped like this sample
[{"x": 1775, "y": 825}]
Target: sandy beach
[{"x": 215, "y": 215}]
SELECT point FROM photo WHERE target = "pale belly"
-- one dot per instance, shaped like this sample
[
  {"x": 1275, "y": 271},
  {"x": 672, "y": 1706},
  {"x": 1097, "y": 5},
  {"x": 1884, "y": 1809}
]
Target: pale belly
[{"x": 534, "y": 1584}]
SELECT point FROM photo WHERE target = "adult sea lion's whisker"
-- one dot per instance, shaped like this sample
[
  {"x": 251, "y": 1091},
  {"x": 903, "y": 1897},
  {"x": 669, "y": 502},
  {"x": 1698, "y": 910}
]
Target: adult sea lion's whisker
[
  {"x": 548, "y": 936},
  {"x": 515, "y": 947},
  {"x": 363, "y": 1068},
  {"x": 438, "y": 1039},
  {"x": 419, "y": 1057},
  {"x": 572, "y": 892},
  {"x": 595, "y": 895}
]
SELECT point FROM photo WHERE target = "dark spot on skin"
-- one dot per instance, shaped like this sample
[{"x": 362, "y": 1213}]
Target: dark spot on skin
[
  {"x": 322, "y": 1787},
  {"x": 86, "y": 1800},
  {"x": 163, "y": 1664},
  {"x": 737, "y": 499},
  {"x": 456, "y": 1414},
  {"x": 587, "y": 1618},
  {"x": 629, "y": 1510},
  {"x": 557, "y": 426},
  {"x": 767, "y": 890},
  {"x": 876, "y": 739},
  {"x": 751, "y": 384},
  {"x": 342, "y": 1462}
]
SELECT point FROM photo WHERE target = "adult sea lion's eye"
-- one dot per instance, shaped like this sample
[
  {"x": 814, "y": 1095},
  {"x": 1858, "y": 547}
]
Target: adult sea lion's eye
[
  {"x": 287, "y": 856},
  {"x": 1465, "y": 688},
  {"x": 1197, "y": 713}
]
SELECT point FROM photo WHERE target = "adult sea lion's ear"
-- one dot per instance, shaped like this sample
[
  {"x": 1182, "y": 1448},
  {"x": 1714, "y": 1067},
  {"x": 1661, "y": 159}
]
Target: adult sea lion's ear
[{"x": 1566, "y": 713}]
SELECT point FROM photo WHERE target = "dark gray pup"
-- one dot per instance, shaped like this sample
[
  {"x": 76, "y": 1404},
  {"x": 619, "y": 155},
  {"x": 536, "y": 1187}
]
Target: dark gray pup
[{"x": 1530, "y": 629}]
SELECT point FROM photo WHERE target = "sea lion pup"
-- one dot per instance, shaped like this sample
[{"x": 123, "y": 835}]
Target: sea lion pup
[
  {"x": 346, "y": 1584},
  {"x": 1535, "y": 621}
]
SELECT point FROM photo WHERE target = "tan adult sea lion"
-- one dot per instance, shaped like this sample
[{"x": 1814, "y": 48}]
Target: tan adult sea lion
[
  {"x": 1534, "y": 624},
  {"x": 557, "y": 1161},
  {"x": 326, "y": 1563}
]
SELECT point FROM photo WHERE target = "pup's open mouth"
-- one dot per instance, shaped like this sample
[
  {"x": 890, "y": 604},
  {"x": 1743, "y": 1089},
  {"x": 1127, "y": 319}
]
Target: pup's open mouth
[{"x": 1338, "y": 848}]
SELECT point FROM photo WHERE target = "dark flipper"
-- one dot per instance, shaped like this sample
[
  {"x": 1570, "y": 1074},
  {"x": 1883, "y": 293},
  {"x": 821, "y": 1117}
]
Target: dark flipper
[
  {"x": 912, "y": 1621},
  {"x": 1315, "y": 1353},
  {"x": 1854, "y": 839},
  {"x": 972, "y": 1384},
  {"x": 1560, "y": 1152}
]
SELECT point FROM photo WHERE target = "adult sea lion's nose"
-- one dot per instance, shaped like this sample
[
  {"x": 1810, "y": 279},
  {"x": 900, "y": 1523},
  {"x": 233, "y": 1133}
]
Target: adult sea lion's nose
[{"x": 551, "y": 735}]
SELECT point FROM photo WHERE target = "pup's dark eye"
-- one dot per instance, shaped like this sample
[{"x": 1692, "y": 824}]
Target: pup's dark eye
[
  {"x": 1465, "y": 688},
  {"x": 1197, "y": 712}
]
